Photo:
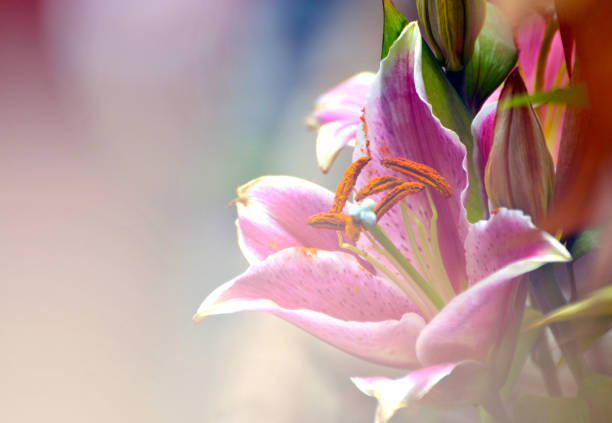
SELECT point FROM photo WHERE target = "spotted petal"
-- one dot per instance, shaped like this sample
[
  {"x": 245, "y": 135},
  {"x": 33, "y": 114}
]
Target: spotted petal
[
  {"x": 449, "y": 384},
  {"x": 498, "y": 251},
  {"x": 330, "y": 295},
  {"x": 399, "y": 123}
]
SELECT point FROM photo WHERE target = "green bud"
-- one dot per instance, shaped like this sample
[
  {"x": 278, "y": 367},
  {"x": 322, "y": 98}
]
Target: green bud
[
  {"x": 493, "y": 58},
  {"x": 451, "y": 28},
  {"x": 519, "y": 172}
]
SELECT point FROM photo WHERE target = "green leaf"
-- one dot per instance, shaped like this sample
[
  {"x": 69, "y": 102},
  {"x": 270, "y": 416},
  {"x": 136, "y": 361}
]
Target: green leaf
[
  {"x": 449, "y": 108},
  {"x": 493, "y": 58},
  {"x": 586, "y": 241},
  {"x": 572, "y": 95},
  {"x": 393, "y": 24},
  {"x": 534, "y": 408},
  {"x": 597, "y": 304},
  {"x": 596, "y": 390}
]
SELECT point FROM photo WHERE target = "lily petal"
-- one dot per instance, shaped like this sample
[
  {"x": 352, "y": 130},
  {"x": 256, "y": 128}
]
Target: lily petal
[
  {"x": 399, "y": 123},
  {"x": 345, "y": 99},
  {"x": 482, "y": 131},
  {"x": 469, "y": 325},
  {"x": 330, "y": 295},
  {"x": 273, "y": 214},
  {"x": 509, "y": 237},
  {"x": 450, "y": 384},
  {"x": 332, "y": 138},
  {"x": 338, "y": 114}
]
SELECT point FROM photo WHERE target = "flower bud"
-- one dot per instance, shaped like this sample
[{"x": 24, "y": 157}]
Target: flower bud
[
  {"x": 519, "y": 171},
  {"x": 451, "y": 28}
]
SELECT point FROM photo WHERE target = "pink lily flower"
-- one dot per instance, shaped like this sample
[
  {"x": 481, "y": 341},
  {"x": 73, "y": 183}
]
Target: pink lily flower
[
  {"x": 337, "y": 114},
  {"x": 440, "y": 306}
]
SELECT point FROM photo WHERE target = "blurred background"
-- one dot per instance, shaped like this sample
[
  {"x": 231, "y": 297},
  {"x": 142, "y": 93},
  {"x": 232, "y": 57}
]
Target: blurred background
[{"x": 125, "y": 127}]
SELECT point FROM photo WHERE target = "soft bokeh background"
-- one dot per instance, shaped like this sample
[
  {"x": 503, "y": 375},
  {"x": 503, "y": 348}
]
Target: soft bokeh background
[{"x": 125, "y": 127}]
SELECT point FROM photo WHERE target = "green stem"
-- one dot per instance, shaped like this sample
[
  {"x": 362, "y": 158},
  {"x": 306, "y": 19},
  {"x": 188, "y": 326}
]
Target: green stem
[{"x": 383, "y": 239}]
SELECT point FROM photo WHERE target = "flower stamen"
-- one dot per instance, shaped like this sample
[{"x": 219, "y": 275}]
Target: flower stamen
[
  {"x": 420, "y": 172},
  {"x": 378, "y": 184},
  {"x": 404, "y": 266},
  {"x": 429, "y": 253},
  {"x": 395, "y": 195},
  {"x": 418, "y": 252},
  {"x": 429, "y": 286},
  {"x": 347, "y": 183},
  {"x": 328, "y": 220},
  {"x": 337, "y": 222}
]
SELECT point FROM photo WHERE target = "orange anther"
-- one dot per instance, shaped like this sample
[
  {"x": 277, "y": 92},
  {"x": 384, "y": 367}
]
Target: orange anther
[
  {"x": 347, "y": 183},
  {"x": 395, "y": 195},
  {"x": 336, "y": 221},
  {"x": 352, "y": 230},
  {"x": 378, "y": 184},
  {"x": 420, "y": 172}
]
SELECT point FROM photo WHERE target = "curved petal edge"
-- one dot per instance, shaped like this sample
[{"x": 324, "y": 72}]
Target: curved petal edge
[{"x": 448, "y": 383}]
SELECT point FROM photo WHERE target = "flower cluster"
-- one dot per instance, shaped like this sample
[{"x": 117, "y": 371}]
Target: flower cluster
[{"x": 423, "y": 257}]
